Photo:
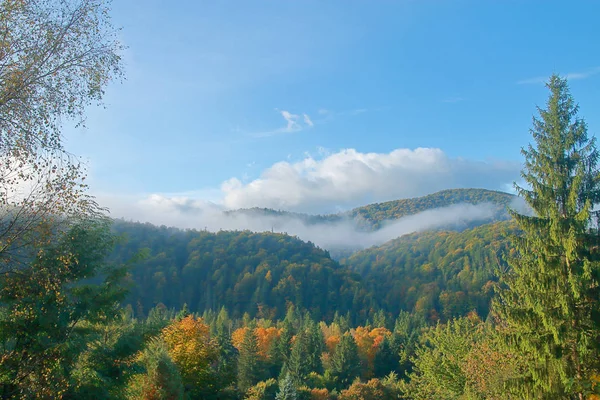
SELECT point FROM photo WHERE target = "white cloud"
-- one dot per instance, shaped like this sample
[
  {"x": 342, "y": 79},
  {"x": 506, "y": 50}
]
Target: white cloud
[
  {"x": 293, "y": 124},
  {"x": 570, "y": 76},
  {"x": 331, "y": 183},
  {"x": 350, "y": 178},
  {"x": 292, "y": 121},
  {"x": 308, "y": 121}
]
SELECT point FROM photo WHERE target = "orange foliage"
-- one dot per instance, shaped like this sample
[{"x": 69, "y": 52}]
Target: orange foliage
[
  {"x": 319, "y": 394},
  {"x": 368, "y": 342},
  {"x": 266, "y": 337},
  {"x": 331, "y": 342},
  {"x": 595, "y": 381}
]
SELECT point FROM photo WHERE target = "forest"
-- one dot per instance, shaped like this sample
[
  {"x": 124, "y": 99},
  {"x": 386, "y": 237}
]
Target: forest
[{"x": 96, "y": 308}]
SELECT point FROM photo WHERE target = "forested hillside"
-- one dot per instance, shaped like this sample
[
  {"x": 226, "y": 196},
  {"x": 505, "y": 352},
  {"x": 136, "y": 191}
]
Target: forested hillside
[
  {"x": 256, "y": 273},
  {"x": 504, "y": 306},
  {"x": 374, "y": 215},
  {"x": 436, "y": 274},
  {"x": 440, "y": 274}
]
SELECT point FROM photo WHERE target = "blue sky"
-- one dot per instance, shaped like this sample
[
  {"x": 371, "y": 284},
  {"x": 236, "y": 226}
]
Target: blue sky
[{"x": 249, "y": 103}]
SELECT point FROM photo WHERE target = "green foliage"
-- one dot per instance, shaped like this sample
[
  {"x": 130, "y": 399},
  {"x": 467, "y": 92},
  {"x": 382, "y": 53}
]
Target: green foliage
[
  {"x": 550, "y": 300},
  {"x": 264, "y": 390},
  {"x": 438, "y": 371},
  {"x": 439, "y": 275},
  {"x": 104, "y": 368},
  {"x": 373, "y": 215},
  {"x": 345, "y": 363},
  {"x": 256, "y": 273},
  {"x": 52, "y": 309},
  {"x": 287, "y": 389},
  {"x": 250, "y": 369},
  {"x": 160, "y": 379},
  {"x": 463, "y": 359}
]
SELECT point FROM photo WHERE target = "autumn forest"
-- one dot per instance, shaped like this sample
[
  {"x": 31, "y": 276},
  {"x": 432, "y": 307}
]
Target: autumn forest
[{"x": 505, "y": 305}]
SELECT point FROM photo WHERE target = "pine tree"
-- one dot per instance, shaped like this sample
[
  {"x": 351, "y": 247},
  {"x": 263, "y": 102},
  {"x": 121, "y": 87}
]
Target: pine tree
[
  {"x": 386, "y": 360},
  {"x": 283, "y": 346},
  {"x": 345, "y": 362},
  {"x": 227, "y": 361},
  {"x": 249, "y": 365},
  {"x": 550, "y": 301},
  {"x": 316, "y": 347},
  {"x": 297, "y": 365},
  {"x": 287, "y": 389}
]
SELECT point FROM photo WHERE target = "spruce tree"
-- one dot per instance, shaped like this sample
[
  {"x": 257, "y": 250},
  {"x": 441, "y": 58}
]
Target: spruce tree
[
  {"x": 316, "y": 347},
  {"x": 228, "y": 354},
  {"x": 549, "y": 301},
  {"x": 298, "y": 366},
  {"x": 249, "y": 363},
  {"x": 287, "y": 389},
  {"x": 345, "y": 363},
  {"x": 386, "y": 360}
]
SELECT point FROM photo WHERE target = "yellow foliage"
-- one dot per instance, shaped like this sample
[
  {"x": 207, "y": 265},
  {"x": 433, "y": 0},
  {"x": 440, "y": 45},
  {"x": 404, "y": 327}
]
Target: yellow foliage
[
  {"x": 191, "y": 348},
  {"x": 237, "y": 337}
]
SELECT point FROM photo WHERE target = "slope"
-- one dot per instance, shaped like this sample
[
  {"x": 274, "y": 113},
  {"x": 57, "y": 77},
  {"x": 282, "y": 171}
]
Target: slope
[
  {"x": 255, "y": 273},
  {"x": 438, "y": 274}
]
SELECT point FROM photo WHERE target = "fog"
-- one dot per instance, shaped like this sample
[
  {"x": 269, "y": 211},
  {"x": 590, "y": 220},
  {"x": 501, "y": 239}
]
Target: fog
[{"x": 343, "y": 234}]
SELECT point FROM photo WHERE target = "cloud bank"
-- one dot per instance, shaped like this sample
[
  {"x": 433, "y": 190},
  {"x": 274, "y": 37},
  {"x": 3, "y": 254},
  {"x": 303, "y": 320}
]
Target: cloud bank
[
  {"x": 350, "y": 178},
  {"x": 333, "y": 182}
]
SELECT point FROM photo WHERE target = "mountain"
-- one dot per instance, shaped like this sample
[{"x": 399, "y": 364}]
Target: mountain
[
  {"x": 372, "y": 217},
  {"x": 439, "y": 274},
  {"x": 255, "y": 273},
  {"x": 309, "y": 219}
]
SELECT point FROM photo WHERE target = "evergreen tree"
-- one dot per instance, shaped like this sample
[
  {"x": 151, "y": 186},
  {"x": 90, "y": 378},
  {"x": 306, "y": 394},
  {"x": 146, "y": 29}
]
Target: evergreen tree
[
  {"x": 405, "y": 337},
  {"x": 287, "y": 389},
  {"x": 249, "y": 365},
  {"x": 161, "y": 379},
  {"x": 298, "y": 366},
  {"x": 316, "y": 346},
  {"x": 550, "y": 302},
  {"x": 228, "y": 354},
  {"x": 345, "y": 362},
  {"x": 386, "y": 360},
  {"x": 283, "y": 346}
]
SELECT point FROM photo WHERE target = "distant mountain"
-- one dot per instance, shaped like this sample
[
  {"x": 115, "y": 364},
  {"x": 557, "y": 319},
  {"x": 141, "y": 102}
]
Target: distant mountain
[
  {"x": 309, "y": 219},
  {"x": 372, "y": 216},
  {"x": 439, "y": 274}
]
